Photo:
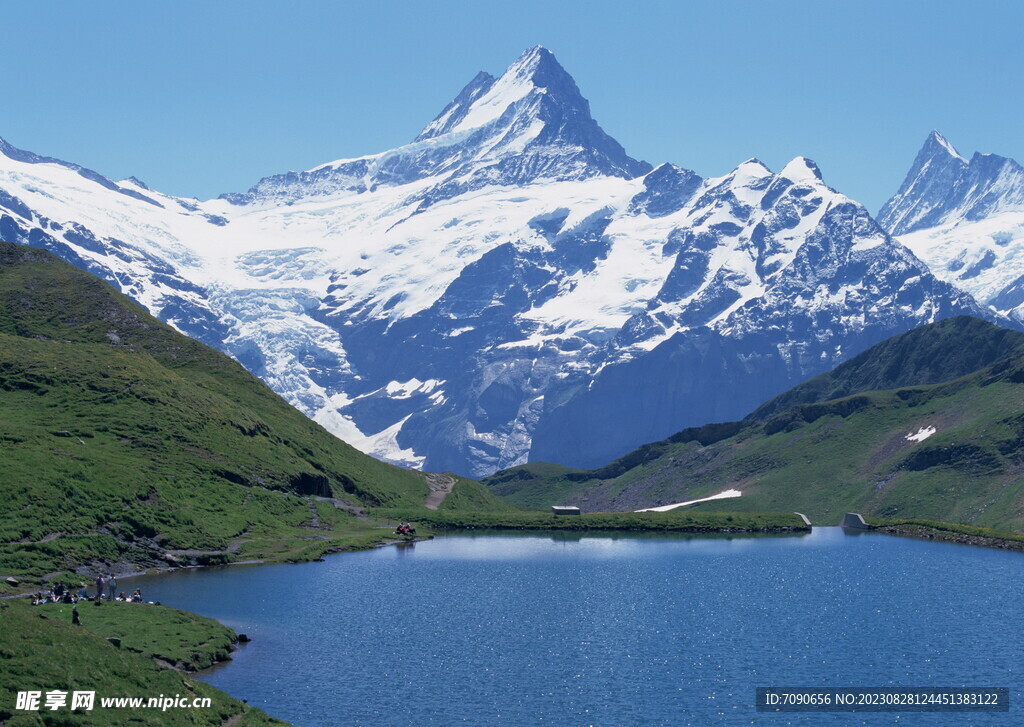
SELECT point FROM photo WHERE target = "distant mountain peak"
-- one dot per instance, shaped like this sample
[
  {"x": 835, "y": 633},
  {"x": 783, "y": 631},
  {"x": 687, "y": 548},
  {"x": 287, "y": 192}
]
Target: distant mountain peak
[
  {"x": 748, "y": 172},
  {"x": 936, "y": 143},
  {"x": 942, "y": 187},
  {"x": 485, "y": 99},
  {"x": 753, "y": 162},
  {"x": 540, "y": 66},
  {"x": 533, "y": 56},
  {"x": 801, "y": 169},
  {"x": 529, "y": 124},
  {"x": 532, "y": 59}
]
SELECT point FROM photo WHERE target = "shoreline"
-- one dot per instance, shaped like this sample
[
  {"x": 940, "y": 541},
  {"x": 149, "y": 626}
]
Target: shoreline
[
  {"x": 148, "y": 557},
  {"x": 668, "y": 522},
  {"x": 435, "y": 521},
  {"x": 138, "y": 650},
  {"x": 89, "y": 580},
  {"x": 329, "y": 551},
  {"x": 927, "y": 532}
]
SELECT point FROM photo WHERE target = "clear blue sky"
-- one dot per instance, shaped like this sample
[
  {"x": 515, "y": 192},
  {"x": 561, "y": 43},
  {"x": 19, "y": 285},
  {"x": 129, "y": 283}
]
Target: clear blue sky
[{"x": 199, "y": 98}]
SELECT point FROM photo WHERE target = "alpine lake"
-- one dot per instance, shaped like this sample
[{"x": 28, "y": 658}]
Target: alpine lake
[{"x": 598, "y": 629}]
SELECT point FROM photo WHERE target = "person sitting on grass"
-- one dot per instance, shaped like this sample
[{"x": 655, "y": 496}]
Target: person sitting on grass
[
  {"x": 137, "y": 596},
  {"x": 122, "y": 597}
]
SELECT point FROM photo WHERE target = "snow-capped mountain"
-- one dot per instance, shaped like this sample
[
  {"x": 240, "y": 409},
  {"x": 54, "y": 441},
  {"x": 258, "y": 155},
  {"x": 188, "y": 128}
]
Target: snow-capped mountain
[
  {"x": 530, "y": 124},
  {"x": 966, "y": 220},
  {"x": 509, "y": 285},
  {"x": 777, "y": 277}
]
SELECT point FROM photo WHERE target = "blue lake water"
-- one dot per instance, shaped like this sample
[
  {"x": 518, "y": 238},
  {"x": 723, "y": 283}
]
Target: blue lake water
[{"x": 600, "y": 630}]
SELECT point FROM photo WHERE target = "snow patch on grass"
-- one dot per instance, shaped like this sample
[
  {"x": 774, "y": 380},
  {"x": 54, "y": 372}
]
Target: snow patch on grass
[
  {"x": 921, "y": 434},
  {"x": 720, "y": 496}
]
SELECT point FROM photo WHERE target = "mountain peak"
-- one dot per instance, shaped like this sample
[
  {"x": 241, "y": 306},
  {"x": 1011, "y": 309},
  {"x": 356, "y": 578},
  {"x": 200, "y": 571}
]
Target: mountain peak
[
  {"x": 540, "y": 66},
  {"x": 936, "y": 144},
  {"x": 536, "y": 51},
  {"x": 529, "y": 124},
  {"x": 801, "y": 169},
  {"x": 942, "y": 186},
  {"x": 533, "y": 57},
  {"x": 486, "y": 99},
  {"x": 748, "y": 171},
  {"x": 923, "y": 194}
]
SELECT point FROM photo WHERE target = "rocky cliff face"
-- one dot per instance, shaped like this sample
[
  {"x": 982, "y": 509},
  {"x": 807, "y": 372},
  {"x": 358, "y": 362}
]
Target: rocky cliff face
[{"x": 509, "y": 285}]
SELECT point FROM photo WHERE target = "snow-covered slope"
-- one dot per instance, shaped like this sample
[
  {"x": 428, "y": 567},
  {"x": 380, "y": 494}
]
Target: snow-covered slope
[
  {"x": 123, "y": 232},
  {"x": 966, "y": 220},
  {"x": 511, "y": 284},
  {"x": 775, "y": 277}
]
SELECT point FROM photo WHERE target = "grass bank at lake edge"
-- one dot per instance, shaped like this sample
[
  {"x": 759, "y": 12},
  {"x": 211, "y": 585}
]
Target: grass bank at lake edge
[
  {"x": 291, "y": 545},
  {"x": 41, "y": 650},
  {"x": 948, "y": 532},
  {"x": 674, "y": 521},
  {"x": 187, "y": 641}
]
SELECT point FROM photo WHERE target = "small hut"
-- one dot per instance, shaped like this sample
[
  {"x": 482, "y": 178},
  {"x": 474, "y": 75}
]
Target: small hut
[{"x": 565, "y": 510}]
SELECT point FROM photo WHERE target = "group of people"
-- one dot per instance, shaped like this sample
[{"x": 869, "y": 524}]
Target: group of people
[
  {"x": 60, "y": 593},
  {"x": 63, "y": 593},
  {"x": 405, "y": 529}
]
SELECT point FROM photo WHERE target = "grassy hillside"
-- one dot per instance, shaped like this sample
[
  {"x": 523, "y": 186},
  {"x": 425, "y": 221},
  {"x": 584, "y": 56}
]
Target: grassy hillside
[
  {"x": 41, "y": 650},
  {"x": 930, "y": 354},
  {"x": 826, "y": 458},
  {"x": 471, "y": 496},
  {"x": 125, "y": 441}
]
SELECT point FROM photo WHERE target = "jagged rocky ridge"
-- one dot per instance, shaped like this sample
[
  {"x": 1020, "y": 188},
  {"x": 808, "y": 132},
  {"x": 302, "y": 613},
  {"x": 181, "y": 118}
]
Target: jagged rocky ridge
[
  {"x": 965, "y": 218},
  {"x": 510, "y": 285}
]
